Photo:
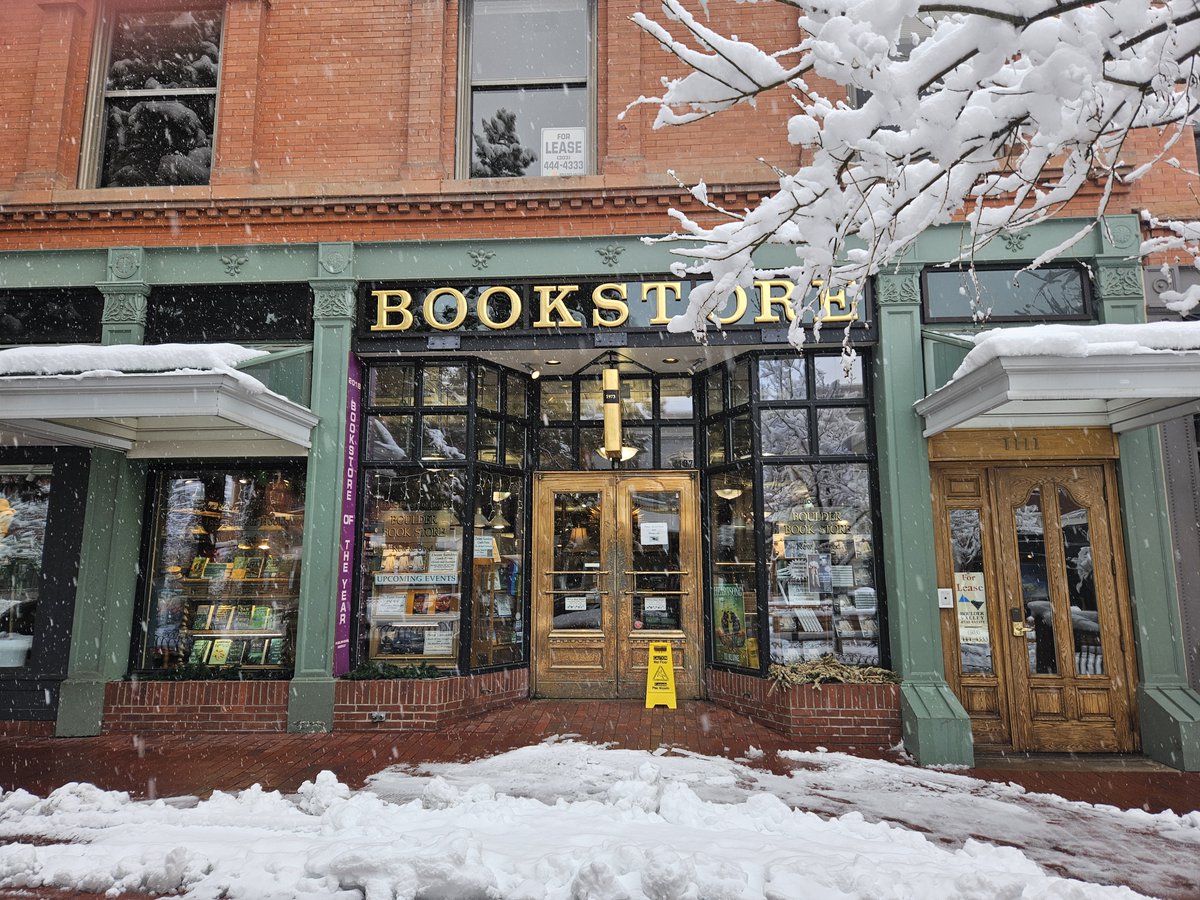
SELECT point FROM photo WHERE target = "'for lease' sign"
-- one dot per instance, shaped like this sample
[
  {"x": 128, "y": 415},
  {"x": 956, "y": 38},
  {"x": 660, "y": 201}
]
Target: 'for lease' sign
[{"x": 563, "y": 151}]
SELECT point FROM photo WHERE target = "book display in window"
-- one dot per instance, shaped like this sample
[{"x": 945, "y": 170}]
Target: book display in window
[
  {"x": 412, "y": 581},
  {"x": 225, "y": 563},
  {"x": 822, "y": 596}
]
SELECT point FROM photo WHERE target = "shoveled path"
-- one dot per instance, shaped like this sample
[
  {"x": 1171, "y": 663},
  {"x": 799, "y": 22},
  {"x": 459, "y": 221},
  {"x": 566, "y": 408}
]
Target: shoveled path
[{"x": 159, "y": 765}]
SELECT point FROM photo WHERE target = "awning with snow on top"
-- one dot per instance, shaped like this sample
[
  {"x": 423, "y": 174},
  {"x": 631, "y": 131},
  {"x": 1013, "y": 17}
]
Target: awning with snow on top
[
  {"x": 149, "y": 402},
  {"x": 1120, "y": 376}
]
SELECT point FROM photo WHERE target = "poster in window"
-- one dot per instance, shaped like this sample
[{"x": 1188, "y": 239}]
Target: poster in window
[
  {"x": 972, "y": 608},
  {"x": 731, "y": 623}
]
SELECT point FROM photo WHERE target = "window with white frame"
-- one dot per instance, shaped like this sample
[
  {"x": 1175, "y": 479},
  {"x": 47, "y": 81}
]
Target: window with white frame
[
  {"x": 156, "y": 109},
  {"x": 528, "y": 75}
]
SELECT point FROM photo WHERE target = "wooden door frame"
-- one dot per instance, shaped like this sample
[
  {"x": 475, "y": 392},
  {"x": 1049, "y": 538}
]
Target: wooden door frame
[
  {"x": 978, "y": 453},
  {"x": 621, "y": 642}
]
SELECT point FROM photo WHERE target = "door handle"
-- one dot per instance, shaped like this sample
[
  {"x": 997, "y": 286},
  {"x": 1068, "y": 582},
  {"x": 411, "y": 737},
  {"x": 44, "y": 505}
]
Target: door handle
[{"x": 1019, "y": 628}]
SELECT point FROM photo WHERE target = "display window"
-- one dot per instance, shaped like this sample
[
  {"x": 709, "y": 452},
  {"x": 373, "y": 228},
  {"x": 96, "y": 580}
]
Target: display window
[
  {"x": 412, "y": 566},
  {"x": 24, "y": 506},
  {"x": 224, "y": 576},
  {"x": 799, "y": 570},
  {"x": 442, "y": 540}
]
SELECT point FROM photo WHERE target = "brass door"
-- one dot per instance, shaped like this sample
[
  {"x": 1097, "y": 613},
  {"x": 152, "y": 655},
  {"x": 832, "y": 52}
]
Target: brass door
[
  {"x": 1069, "y": 675},
  {"x": 616, "y": 566},
  {"x": 1035, "y": 645}
]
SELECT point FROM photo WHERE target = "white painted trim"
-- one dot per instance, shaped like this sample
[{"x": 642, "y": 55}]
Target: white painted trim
[
  {"x": 1121, "y": 392},
  {"x": 173, "y": 414}
]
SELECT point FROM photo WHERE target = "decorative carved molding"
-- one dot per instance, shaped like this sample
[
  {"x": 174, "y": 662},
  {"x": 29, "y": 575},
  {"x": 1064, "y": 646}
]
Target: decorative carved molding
[
  {"x": 1160, "y": 281},
  {"x": 334, "y": 262},
  {"x": 333, "y": 303},
  {"x": 1119, "y": 281},
  {"x": 481, "y": 258},
  {"x": 897, "y": 290},
  {"x": 1123, "y": 236},
  {"x": 610, "y": 253},
  {"x": 233, "y": 263},
  {"x": 1014, "y": 240},
  {"x": 124, "y": 264},
  {"x": 124, "y": 308}
]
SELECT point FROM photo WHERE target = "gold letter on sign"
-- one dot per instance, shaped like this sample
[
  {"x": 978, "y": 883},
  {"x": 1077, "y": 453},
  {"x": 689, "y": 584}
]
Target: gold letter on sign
[
  {"x": 766, "y": 300},
  {"x": 555, "y": 305},
  {"x": 385, "y": 308},
  {"x": 660, "y": 677},
  {"x": 837, "y": 298},
  {"x": 485, "y": 315},
  {"x": 615, "y": 304},
  {"x": 659, "y": 290},
  {"x": 739, "y": 309},
  {"x": 430, "y": 308}
]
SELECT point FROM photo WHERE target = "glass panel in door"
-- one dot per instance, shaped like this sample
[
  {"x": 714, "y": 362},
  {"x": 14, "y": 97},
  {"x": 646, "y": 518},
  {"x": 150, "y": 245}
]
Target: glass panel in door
[
  {"x": 654, "y": 574},
  {"x": 576, "y": 595}
]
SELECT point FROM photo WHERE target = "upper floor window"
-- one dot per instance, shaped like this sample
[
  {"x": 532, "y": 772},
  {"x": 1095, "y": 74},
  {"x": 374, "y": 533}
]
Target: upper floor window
[
  {"x": 1007, "y": 294},
  {"x": 159, "y": 98},
  {"x": 528, "y": 73}
]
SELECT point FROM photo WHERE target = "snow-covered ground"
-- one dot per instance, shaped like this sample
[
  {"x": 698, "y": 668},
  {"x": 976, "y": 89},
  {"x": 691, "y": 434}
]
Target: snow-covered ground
[{"x": 583, "y": 822}]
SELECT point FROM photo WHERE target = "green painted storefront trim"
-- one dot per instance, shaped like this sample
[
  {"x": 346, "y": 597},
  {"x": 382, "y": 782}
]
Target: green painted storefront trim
[{"x": 107, "y": 591}]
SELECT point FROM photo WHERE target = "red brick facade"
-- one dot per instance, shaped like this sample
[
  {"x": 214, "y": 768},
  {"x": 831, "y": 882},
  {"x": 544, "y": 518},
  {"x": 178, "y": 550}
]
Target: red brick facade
[
  {"x": 423, "y": 705},
  {"x": 136, "y": 706},
  {"x": 836, "y": 716}
]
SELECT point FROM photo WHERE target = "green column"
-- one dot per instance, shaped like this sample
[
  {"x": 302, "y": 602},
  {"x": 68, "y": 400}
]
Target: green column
[
  {"x": 1168, "y": 709},
  {"x": 106, "y": 594},
  {"x": 124, "y": 318},
  {"x": 310, "y": 700},
  {"x": 937, "y": 730}
]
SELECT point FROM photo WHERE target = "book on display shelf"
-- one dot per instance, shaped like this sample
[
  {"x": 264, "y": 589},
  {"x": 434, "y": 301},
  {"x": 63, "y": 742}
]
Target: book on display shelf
[
  {"x": 199, "y": 653},
  {"x": 220, "y": 652}
]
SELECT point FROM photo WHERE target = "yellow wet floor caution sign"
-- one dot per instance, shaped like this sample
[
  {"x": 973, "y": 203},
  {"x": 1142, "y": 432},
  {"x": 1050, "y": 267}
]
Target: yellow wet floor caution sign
[{"x": 660, "y": 677}]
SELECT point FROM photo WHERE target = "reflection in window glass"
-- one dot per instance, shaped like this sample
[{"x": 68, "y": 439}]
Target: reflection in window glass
[
  {"x": 487, "y": 389},
  {"x": 577, "y": 560},
  {"x": 636, "y": 399},
  {"x": 642, "y": 440},
  {"x": 164, "y": 137},
  {"x": 675, "y": 398},
  {"x": 739, "y": 385},
  {"x": 742, "y": 437},
  {"x": 412, "y": 566},
  {"x": 1029, "y": 519},
  {"x": 516, "y": 93},
  {"x": 392, "y": 386},
  {"x": 832, "y": 380},
  {"x": 514, "y": 444},
  {"x": 842, "y": 431},
  {"x": 55, "y": 316},
  {"x": 444, "y": 386},
  {"x": 591, "y": 399},
  {"x": 714, "y": 387},
  {"x": 819, "y": 547},
  {"x": 970, "y": 595},
  {"x": 487, "y": 439},
  {"x": 1081, "y": 585},
  {"x": 1045, "y": 293},
  {"x": 389, "y": 438},
  {"x": 514, "y": 395},
  {"x": 556, "y": 400},
  {"x": 443, "y": 437},
  {"x": 225, "y": 570},
  {"x": 24, "y": 505},
  {"x": 554, "y": 449},
  {"x": 716, "y": 443},
  {"x": 678, "y": 447},
  {"x": 732, "y": 570},
  {"x": 784, "y": 432},
  {"x": 497, "y": 602},
  {"x": 782, "y": 379},
  {"x": 590, "y": 441}
]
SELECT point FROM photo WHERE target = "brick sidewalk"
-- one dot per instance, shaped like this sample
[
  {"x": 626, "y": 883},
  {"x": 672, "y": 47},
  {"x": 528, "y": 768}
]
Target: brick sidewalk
[{"x": 159, "y": 765}]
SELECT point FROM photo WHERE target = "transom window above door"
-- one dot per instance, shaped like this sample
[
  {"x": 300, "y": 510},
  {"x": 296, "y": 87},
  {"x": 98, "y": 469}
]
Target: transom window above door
[{"x": 527, "y": 88}]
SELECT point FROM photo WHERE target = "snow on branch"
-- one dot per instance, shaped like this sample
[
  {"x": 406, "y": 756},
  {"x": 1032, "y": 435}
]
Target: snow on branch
[{"x": 1002, "y": 114}]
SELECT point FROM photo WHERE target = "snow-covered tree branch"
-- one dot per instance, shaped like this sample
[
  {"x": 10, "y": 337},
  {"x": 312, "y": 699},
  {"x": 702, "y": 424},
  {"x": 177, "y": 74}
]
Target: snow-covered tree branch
[{"x": 1002, "y": 113}]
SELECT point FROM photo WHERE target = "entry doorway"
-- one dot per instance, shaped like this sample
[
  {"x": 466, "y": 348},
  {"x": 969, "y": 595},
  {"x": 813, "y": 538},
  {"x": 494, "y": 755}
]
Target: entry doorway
[
  {"x": 1038, "y": 644},
  {"x": 616, "y": 566}
]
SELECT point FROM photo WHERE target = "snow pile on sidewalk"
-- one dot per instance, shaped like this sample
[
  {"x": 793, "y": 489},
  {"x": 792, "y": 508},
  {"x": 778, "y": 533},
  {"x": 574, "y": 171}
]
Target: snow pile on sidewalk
[
  {"x": 560, "y": 820},
  {"x": 1080, "y": 340}
]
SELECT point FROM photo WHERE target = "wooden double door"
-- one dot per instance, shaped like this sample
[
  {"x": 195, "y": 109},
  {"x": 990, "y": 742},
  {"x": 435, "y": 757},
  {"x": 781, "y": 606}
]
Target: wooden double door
[
  {"x": 616, "y": 566},
  {"x": 1038, "y": 644}
]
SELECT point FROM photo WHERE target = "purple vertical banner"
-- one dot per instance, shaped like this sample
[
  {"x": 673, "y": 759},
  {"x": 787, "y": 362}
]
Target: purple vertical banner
[{"x": 345, "y": 593}]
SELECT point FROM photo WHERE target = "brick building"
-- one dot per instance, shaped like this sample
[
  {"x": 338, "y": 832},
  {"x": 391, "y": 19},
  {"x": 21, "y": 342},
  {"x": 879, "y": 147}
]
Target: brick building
[{"x": 478, "y": 449}]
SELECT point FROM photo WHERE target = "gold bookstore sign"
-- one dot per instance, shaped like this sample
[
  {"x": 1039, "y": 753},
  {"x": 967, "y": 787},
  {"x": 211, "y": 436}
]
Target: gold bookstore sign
[{"x": 613, "y": 304}]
